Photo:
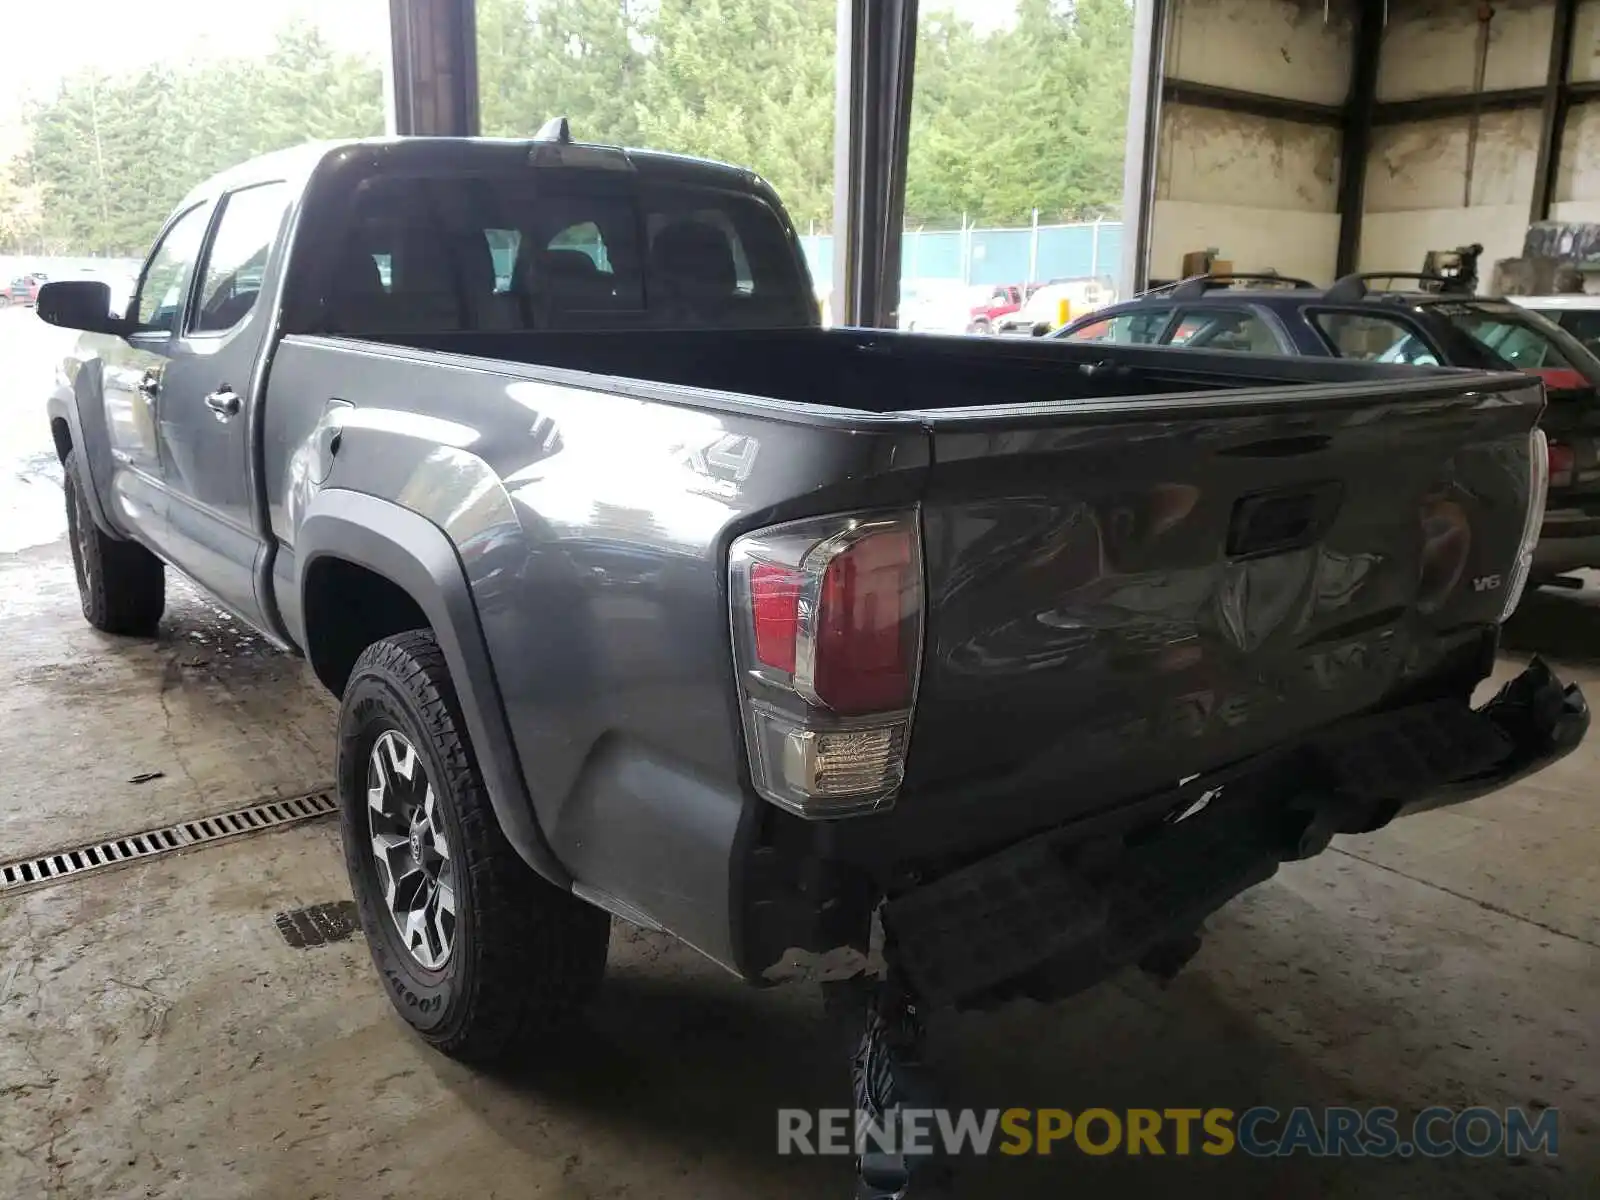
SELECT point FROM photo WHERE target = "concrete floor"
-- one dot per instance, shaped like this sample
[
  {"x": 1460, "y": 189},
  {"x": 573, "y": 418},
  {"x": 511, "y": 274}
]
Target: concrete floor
[{"x": 159, "y": 1039}]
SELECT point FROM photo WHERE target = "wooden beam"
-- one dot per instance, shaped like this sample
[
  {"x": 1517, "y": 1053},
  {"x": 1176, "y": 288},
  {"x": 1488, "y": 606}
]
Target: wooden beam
[
  {"x": 1254, "y": 104},
  {"x": 1456, "y": 104}
]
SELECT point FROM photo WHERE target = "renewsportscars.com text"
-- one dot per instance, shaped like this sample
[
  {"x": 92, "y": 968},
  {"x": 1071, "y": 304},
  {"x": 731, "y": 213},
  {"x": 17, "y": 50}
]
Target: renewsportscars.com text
[{"x": 1259, "y": 1132}]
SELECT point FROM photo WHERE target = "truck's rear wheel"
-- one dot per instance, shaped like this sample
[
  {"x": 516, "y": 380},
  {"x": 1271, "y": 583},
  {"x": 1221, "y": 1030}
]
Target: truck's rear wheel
[
  {"x": 121, "y": 585},
  {"x": 478, "y": 953}
]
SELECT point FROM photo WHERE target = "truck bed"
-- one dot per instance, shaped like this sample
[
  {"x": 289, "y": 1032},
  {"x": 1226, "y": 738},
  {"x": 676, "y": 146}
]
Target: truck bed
[
  {"x": 879, "y": 371},
  {"x": 1141, "y": 565}
]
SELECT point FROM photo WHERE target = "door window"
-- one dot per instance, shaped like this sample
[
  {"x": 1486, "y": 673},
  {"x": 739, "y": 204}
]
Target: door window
[
  {"x": 231, "y": 278},
  {"x": 1374, "y": 338},
  {"x": 161, "y": 290},
  {"x": 1140, "y": 328},
  {"x": 1236, "y": 331}
]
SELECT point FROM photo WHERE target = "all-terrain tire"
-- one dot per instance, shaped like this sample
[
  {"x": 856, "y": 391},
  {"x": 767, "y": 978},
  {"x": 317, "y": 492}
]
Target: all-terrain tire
[
  {"x": 525, "y": 956},
  {"x": 122, "y": 586}
]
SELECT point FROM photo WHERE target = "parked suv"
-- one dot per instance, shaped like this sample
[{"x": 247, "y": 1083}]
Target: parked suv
[{"x": 1271, "y": 314}]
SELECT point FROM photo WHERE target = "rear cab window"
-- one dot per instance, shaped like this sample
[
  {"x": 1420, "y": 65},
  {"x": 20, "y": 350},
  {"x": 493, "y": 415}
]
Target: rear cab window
[{"x": 550, "y": 248}]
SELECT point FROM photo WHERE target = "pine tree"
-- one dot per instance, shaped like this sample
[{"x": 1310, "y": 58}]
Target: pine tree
[
  {"x": 750, "y": 82},
  {"x": 1028, "y": 116},
  {"x": 572, "y": 58}
]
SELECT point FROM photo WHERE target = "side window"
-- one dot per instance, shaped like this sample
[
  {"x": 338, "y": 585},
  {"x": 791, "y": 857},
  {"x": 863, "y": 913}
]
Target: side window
[
  {"x": 1520, "y": 346},
  {"x": 1236, "y": 331},
  {"x": 1141, "y": 328},
  {"x": 503, "y": 247},
  {"x": 579, "y": 255},
  {"x": 160, "y": 297},
  {"x": 1374, "y": 338},
  {"x": 721, "y": 260},
  {"x": 586, "y": 239},
  {"x": 719, "y": 237},
  {"x": 231, "y": 277},
  {"x": 1583, "y": 324}
]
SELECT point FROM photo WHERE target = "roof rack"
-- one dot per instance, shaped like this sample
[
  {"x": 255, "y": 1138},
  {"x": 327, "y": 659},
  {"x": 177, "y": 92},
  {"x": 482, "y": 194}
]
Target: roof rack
[
  {"x": 1354, "y": 287},
  {"x": 1198, "y": 285}
]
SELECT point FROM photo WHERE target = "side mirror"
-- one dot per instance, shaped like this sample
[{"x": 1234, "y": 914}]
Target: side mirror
[{"x": 80, "y": 304}]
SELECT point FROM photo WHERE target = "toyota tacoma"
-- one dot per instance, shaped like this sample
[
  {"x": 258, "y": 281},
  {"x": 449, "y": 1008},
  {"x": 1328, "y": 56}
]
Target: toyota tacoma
[{"x": 1002, "y": 662}]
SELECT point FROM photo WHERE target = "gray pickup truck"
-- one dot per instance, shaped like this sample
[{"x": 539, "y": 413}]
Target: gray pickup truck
[{"x": 647, "y": 596}]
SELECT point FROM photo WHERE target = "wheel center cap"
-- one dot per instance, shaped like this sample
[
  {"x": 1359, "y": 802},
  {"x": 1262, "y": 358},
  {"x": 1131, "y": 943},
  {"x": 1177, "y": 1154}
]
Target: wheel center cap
[{"x": 416, "y": 843}]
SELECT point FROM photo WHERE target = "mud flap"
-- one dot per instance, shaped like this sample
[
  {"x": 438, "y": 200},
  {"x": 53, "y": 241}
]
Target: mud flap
[{"x": 888, "y": 1076}]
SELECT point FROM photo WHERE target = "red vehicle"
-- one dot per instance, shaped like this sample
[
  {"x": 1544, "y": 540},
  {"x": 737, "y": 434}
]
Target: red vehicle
[
  {"x": 23, "y": 290},
  {"x": 992, "y": 303}
]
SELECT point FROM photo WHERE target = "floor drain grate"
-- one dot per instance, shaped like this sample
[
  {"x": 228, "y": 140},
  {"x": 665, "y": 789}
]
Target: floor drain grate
[
  {"x": 318, "y": 924},
  {"x": 114, "y": 852}
]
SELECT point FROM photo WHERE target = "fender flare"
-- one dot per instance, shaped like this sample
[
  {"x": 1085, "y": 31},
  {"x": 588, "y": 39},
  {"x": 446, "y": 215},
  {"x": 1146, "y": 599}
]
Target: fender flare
[
  {"x": 417, "y": 556},
  {"x": 89, "y": 440}
]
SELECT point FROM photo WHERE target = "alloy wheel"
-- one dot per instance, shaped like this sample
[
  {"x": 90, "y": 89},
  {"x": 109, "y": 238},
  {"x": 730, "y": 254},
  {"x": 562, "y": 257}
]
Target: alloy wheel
[
  {"x": 411, "y": 850},
  {"x": 81, "y": 527}
]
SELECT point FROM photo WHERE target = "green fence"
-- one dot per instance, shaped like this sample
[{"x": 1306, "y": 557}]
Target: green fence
[{"x": 1025, "y": 255}]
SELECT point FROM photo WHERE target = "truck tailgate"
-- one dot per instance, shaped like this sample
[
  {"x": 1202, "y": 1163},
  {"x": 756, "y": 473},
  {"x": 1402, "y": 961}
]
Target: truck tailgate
[{"x": 1122, "y": 595}]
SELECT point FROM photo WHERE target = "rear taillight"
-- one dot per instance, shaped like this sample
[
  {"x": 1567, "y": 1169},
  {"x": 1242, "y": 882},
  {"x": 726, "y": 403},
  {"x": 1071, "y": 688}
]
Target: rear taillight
[
  {"x": 1541, "y": 465},
  {"x": 775, "y": 614},
  {"x": 1563, "y": 463},
  {"x": 827, "y": 624}
]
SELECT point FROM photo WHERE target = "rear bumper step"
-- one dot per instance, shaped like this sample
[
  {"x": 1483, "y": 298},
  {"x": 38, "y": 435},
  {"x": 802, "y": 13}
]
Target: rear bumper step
[{"x": 1052, "y": 914}]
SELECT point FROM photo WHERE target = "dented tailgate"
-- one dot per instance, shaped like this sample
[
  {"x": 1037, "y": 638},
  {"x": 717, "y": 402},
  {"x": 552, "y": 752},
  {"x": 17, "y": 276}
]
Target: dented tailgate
[{"x": 1124, "y": 594}]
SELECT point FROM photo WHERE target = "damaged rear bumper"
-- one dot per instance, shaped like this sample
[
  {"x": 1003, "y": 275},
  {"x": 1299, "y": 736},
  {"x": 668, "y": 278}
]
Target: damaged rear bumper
[{"x": 1055, "y": 913}]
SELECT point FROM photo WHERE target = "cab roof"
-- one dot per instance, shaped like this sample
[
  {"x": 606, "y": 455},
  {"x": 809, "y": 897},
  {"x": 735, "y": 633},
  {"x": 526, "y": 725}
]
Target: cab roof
[{"x": 298, "y": 164}]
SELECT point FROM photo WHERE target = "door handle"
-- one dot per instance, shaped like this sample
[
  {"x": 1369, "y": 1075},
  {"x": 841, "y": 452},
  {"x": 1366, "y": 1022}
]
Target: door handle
[
  {"x": 149, "y": 385},
  {"x": 224, "y": 402}
]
